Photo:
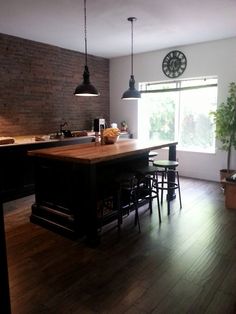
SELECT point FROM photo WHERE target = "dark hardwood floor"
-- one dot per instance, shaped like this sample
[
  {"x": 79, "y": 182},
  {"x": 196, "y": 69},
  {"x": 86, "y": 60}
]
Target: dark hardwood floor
[{"x": 186, "y": 265}]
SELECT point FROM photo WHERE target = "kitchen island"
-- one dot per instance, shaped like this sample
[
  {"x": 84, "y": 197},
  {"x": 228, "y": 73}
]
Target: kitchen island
[{"x": 70, "y": 180}]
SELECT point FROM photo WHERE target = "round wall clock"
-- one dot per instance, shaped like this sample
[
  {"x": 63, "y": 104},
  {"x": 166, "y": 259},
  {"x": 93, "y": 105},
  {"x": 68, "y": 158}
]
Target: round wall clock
[{"x": 174, "y": 64}]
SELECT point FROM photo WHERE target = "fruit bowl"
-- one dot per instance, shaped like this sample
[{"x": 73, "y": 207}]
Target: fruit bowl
[
  {"x": 110, "y": 139},
  {"x": 110, "y": 135}
]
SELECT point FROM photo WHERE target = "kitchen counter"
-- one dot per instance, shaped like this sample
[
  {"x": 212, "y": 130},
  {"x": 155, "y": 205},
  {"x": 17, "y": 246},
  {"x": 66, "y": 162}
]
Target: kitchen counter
[
  {"x": 91, "y": 153},
  {"x": 51, "y": 138},
  {"x": 34, "y": 139}
]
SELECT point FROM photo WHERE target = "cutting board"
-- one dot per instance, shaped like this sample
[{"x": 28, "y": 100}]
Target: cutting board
[{"x": 6, "y": 140}]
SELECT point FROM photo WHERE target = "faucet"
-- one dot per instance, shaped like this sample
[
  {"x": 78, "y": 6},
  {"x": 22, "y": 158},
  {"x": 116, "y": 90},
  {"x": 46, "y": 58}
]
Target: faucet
[
  {"x": 61, "y": 126},
  {"x": 63, "y": 132}
]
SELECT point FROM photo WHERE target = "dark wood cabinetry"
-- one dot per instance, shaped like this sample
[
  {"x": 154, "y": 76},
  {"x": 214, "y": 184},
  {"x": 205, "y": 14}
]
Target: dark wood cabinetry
[{"x": 16, "y": 167}]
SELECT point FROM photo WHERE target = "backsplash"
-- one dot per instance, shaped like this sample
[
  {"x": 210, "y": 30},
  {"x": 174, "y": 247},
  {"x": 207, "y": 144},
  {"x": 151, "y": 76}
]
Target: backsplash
[{"x": 37, "y": 82}]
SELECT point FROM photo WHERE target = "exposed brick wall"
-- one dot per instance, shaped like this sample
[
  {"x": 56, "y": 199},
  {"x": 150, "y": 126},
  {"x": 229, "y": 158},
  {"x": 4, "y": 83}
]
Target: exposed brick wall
[{"x": 37, "y": 82}]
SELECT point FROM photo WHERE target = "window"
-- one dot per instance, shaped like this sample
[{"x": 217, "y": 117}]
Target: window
[{"x": 179, "y": 110}]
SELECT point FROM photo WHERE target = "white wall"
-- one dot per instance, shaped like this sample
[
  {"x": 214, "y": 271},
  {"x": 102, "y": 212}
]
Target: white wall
[{"x": 216, "y": 58}]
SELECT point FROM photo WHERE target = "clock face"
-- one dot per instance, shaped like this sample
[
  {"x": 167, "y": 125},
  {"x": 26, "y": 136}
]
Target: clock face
[{"x": 174, "y": 64}]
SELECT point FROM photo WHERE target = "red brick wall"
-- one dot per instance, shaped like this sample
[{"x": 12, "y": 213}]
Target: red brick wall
[{"x": 37, "y": 82}]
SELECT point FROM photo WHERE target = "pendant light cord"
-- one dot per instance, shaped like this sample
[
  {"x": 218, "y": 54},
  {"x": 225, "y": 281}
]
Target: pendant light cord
[
  {"x": 86, "y": 88},
  {"x": 85, "y": 31},
  {"x": 132, "y": 47},
  {"x": 132, "y": 19},
  {"x": 132, "y": 92}
]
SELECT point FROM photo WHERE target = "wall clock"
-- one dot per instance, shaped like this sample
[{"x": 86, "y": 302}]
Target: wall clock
[{"x": 174, "y": 64}]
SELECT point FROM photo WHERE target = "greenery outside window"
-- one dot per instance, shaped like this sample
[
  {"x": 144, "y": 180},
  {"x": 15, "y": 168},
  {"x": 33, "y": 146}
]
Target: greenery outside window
[{"x": 179, "y": 110}]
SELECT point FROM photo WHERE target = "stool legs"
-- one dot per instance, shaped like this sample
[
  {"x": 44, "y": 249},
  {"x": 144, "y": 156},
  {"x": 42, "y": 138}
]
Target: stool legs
[
  {"x": 180, "y": 201},
  {"x": 136, "y": 220},
  {"x": 119, "y": 209},
  {"x": 155, "y": 185},
  {"x": 152, "y": 191},
  {"x": 150, "y": 183},
  {"x": 129, "y": 187},
  {"x": 169, "y": 186},
  {"x": 174, "y": 185}
]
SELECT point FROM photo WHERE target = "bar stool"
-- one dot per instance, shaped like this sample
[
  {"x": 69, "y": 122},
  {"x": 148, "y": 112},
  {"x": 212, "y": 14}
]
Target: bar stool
[
  {"x": 135, "y": 190},
  {"x": 149, "y": 174},
  {"x": 118, "y": 196},
  {"x": 151, "y": 156},
  {"x": 169, "y": 180},
  {"x": 128, "y": 197}
]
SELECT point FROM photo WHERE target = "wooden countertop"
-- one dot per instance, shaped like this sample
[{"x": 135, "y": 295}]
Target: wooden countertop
[{"x": 92, "y": 153}]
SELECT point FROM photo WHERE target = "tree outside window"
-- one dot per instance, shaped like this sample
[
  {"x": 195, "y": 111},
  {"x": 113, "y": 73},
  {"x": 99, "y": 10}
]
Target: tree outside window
[{"x": 181, "y": 114}]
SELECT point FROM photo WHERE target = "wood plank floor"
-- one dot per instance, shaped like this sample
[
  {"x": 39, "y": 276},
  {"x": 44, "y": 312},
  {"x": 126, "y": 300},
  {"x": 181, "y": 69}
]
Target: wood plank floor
[{"x": 186, "y": 265}]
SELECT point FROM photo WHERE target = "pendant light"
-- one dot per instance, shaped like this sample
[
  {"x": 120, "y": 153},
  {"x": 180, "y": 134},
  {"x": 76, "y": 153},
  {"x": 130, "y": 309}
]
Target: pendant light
[
  {"x": 86, "y": 88},
  {"x": 132, "y": 92}
]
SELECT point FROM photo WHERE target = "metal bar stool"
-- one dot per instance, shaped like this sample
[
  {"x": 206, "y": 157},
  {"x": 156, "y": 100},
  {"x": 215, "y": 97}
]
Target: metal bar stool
[
  {"x": 136, "y": 188},
  {"x": 121, "y": 197},
  {"x": 127, "y": 197},
  {"x": 149, "y": 175},
  {"x": 169, "y": 180},
  {"x": 152, "y": 155}
]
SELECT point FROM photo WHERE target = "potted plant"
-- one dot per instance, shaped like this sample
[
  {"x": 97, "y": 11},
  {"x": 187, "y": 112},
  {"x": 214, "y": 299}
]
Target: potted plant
[{"x": 225, "y": 120}]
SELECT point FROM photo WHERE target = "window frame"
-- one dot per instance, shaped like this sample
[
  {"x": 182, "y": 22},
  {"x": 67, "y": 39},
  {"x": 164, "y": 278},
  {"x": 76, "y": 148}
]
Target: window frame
[{"x": 152, "y": 87}]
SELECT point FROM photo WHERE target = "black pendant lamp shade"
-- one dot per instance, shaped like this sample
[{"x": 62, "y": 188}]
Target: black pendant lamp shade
[
  {"x": 132, "y": 92},
  {"x": 86, "y": 88}
]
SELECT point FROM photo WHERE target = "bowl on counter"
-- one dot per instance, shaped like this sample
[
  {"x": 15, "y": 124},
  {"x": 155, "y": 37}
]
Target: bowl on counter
[{"x": 110, "y": 139}]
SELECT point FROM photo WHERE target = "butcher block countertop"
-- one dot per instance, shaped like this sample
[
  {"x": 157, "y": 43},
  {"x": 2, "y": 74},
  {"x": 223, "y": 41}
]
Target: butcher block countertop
[{"x": 91, "y": 153}]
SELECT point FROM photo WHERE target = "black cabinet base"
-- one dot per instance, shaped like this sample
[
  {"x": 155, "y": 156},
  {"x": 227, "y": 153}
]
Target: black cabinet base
[{"x": 53, "y": 226}]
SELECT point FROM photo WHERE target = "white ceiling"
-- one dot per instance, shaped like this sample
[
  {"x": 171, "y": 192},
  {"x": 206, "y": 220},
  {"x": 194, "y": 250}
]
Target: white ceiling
[{"x": 160, "y": 23}]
